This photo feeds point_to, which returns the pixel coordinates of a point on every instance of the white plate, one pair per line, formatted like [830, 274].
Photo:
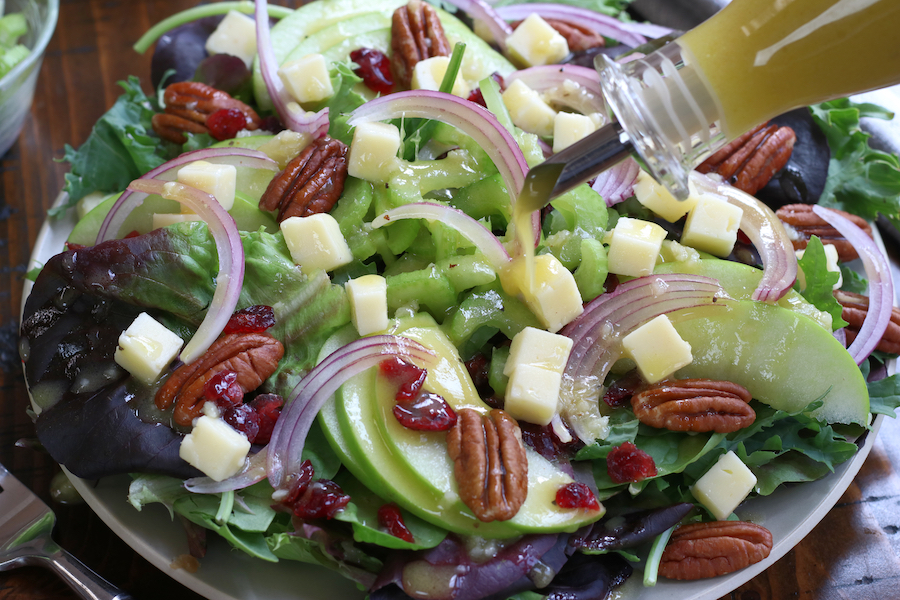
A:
[225, 574]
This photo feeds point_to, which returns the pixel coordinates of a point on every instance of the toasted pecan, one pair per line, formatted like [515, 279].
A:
[855, 307]
[253, 356]
[802, 223]
[702, 550]
[694, 405]
[490, 465]
[751, 160]
[416, 34]
[189, 104]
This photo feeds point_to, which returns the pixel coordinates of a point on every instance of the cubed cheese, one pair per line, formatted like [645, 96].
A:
[657, 198]
[235, 35]
[368, 303]
[535, 42]
[527, 109]
[89, 203]
[146, 348]
[214, 447]
[532, 394]
[307, 78]
[724, 486]
[634, 247]
[285, 146]
[831, 264]
[568, 128]
[429, 73]
[217, 180]
[316, 242]
[166, 219]
[554, 298]
[538, 348]
[373, 151]
[712, 225]
[657, 349]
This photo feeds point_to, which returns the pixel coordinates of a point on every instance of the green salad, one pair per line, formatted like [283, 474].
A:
[13, 26]
[296, 310]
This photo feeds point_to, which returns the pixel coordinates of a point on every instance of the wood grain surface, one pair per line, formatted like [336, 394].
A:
[854, 553]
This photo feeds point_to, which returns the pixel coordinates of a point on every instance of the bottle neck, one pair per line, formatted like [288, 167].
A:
[667, 110]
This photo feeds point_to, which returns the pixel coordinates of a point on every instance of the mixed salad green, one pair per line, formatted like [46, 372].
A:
[444, 269]
[13, 26]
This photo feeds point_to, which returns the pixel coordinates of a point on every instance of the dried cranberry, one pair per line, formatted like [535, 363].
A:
[479, 369]
[322, 499]
[375, 69]
[244, 419]
[271, 124]
[225, 123]
[252, 319]
[391, 519]
[628, 463]
[576, 495]
[223, 389]
[299, 482]
[268, 408]
[621, 391]
[425, 412]
[406, 376]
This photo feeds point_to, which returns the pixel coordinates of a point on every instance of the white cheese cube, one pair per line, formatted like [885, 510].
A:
[532, 394]
[831, 264]
[429, 73]
[634, 247]
[373, 151]
[535, 42]
[217, 180]
[307, 78]
[316, 242]
[657, 198]
[568, 128]
[235, 35]
[166, 219]
[528, 110]
[285, 146]
[554, 298]
[657, 349]
[712, 225]
[214, 447]
[368, 303]
[146, 348]
[538, 348]
[724, 486]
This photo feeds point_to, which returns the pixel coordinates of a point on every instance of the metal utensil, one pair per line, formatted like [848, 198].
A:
[26, 524]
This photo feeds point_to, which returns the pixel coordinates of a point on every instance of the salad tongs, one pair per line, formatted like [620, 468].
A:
[25, 527]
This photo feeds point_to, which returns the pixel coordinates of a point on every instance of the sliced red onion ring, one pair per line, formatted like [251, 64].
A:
[472, 119]
[550, 77]
[480, 10]
[254, 471]
[468, 227]
[230, 278]
[602, 24]
[315, 124]
[767, 234]
[129, 200]
[881, 288]
[616, 184]
[304, 402]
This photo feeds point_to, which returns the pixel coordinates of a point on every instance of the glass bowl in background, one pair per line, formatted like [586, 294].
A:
[17, 86]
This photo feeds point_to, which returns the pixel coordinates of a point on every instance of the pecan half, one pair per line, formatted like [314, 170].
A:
[855, 308]
[801, 223]
[188, 104]
[694, 405]
[750, 161]
[311, 183]
[416, 34]
[253, 356]
[490, 463]
[702, 550]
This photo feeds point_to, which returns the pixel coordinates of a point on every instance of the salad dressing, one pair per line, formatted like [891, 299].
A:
[535, 194]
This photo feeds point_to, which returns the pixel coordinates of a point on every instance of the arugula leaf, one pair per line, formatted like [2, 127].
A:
[853, 281]
[121, 147]
[884, 395]
[820, 281]
[343, 102]
[861, 180]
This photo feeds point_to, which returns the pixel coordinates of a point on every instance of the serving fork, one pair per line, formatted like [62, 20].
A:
[26, 525]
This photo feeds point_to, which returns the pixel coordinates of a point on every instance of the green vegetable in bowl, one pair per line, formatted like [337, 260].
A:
[12, 27]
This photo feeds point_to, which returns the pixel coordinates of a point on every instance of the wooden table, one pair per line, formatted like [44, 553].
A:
[854, 553]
